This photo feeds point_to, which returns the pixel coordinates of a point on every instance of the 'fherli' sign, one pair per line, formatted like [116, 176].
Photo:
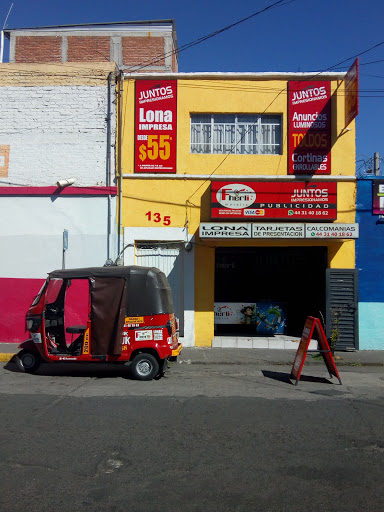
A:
[259, 200]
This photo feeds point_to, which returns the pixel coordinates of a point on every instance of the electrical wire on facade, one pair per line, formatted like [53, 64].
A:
[257, 88]
[285, 90]
[235, 145]
[370, 93]
[279, 92]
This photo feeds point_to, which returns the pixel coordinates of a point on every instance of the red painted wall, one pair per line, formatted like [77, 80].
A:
[16, 296]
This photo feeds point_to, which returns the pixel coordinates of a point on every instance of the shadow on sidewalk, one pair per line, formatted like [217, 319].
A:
[286, 377]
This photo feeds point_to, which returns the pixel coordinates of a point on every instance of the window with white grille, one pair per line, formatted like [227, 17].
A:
[242, 134]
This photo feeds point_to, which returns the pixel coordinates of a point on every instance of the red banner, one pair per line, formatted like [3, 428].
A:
[155, 126]
[352, 92]
[309, 127]
[274, 200]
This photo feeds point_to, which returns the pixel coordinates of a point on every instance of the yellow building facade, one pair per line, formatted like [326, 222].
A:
[234, 130]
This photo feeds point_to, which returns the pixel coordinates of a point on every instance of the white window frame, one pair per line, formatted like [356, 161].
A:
[235, 147]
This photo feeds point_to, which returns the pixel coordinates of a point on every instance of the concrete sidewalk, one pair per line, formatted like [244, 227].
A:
[196, 355]
[275, 357]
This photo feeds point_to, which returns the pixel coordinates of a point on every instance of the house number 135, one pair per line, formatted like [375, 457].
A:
[156, 217]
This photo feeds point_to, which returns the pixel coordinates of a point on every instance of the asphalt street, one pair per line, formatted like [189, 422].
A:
[206, 437]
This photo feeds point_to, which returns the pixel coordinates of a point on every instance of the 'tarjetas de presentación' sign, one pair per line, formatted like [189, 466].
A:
[278, 230]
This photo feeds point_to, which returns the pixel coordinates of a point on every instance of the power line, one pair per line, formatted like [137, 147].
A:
[372, 76]
[372, 62]
[257, 88]
[198, 41]
[355, 56]
[212, 34]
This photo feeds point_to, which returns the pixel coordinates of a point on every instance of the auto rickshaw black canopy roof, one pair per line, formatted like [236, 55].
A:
[126, 272]
[147, 288]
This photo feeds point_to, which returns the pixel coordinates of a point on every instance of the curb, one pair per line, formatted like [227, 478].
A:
[5, 358]
[279, 363]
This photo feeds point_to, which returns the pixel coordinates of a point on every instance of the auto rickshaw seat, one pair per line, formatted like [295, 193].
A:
[76, 329]
[76, 346]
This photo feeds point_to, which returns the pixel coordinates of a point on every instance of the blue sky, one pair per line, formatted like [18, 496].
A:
[298, 35]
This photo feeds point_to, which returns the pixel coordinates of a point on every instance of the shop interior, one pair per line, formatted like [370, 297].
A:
[266, 291]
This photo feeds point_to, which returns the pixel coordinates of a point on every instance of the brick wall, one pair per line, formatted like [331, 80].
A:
[130, 51]
[91, 49]
[38, 49]
[55, 132]
[138, 51]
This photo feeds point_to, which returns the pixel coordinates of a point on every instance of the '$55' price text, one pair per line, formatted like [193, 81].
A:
[158, 146]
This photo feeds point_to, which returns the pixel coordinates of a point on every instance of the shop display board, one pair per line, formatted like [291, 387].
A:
[266, 317]
[311, 324]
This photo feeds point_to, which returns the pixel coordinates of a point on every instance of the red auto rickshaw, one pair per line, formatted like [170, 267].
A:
[106, 314]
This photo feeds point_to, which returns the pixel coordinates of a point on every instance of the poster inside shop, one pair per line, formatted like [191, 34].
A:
[309, 127]
[266, 317]
[274, 200]
[155, 126]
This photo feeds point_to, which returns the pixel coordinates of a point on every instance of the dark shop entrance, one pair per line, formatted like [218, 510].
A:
[266, 291]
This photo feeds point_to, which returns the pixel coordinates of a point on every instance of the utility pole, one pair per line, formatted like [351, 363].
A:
[376, 164]
[2, 36]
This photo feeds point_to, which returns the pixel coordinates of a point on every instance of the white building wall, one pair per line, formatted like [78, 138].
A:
[31, 234]
[56, 132]
[53, 132]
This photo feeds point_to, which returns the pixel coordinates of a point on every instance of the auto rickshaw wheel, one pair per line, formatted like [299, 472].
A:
[144, 366]
[28, 362]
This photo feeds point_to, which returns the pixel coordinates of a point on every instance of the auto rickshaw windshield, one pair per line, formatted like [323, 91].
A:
[36, 300]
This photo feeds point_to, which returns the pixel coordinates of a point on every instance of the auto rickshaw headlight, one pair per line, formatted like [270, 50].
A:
[33, 323]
